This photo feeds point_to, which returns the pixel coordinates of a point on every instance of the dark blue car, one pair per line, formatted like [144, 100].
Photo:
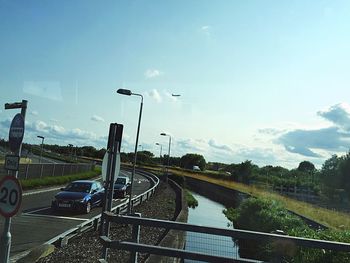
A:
[80, 196]
[122, 187]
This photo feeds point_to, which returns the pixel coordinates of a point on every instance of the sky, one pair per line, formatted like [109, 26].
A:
[266, 81]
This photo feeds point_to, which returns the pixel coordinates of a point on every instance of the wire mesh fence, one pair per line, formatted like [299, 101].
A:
[211, 244]
[29, 171]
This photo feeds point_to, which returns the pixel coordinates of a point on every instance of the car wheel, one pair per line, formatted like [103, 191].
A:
[88, 207]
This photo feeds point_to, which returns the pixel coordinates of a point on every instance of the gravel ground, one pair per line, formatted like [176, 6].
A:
[86, 247]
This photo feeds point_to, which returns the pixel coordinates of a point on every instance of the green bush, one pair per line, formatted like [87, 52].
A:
[265, 215]
[191, 201]
[179, 179]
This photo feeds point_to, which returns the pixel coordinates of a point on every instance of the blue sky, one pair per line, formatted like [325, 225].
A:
[266, 81]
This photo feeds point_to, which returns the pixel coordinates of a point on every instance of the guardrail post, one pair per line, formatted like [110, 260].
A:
[53, 169]
[135, 236]
[27, 170]
[41, 170]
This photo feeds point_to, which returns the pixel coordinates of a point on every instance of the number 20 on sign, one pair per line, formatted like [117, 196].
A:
[10, 196]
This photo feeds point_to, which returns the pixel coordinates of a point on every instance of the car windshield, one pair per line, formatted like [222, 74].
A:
[78, 187]
[121, 180]
[243, 104]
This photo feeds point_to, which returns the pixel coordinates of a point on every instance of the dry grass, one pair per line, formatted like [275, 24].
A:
[21, 161]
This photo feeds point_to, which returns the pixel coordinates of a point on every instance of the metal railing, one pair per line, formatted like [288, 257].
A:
[29, 171]
[236, 234]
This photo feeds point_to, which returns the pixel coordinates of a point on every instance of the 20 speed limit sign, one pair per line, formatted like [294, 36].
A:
[10, 196]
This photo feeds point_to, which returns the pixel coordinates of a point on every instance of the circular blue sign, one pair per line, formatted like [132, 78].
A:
[16, 132]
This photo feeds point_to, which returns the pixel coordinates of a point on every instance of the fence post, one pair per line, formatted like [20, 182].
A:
[135, 236]
[63, 170]
[27, 169]
[41, 170]
[53, 169]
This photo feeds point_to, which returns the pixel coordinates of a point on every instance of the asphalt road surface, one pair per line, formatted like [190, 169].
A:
[37, 223]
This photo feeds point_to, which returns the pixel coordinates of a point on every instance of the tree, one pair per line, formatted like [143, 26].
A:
[192, 159]
[306, 166]
[331, 178]
[245, 171]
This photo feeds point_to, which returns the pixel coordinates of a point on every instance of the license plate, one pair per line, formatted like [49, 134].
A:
[63, 205]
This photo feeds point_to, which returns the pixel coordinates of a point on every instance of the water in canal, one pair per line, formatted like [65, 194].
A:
[209, 213]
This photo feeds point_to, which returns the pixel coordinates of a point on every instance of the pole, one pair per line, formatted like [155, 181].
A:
[168, 158]
[5, 245]
[41, 152]
[160, 154]
[135, 156]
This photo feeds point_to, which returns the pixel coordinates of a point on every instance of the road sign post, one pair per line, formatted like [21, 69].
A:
[12, 162]
[15, 140]
[10, 196]
[110, 169]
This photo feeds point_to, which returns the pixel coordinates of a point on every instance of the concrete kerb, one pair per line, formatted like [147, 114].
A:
[37, 253]
[63, 238]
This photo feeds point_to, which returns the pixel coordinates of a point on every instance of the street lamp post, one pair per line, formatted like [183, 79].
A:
[129, 93]
[160, 153]
[167, 170]
[161, 147]
[42, 145]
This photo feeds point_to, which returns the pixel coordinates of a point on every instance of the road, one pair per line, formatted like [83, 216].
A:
[37, 223]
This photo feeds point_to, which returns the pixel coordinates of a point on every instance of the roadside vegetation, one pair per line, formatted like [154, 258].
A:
[58, 180]
[190, 199]
[330, 218]
[272, 216]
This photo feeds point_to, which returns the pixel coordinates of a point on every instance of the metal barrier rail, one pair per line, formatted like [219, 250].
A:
[233, 233]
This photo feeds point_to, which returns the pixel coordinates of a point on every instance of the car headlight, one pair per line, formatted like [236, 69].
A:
[80, 200]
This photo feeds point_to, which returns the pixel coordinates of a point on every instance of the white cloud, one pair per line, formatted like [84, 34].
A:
[221, 147]
[56, 134]
[97, 118]
[152, 73]
[34, 113]
[206, 29]
[53, 120]
[154, 94]
[338, 114]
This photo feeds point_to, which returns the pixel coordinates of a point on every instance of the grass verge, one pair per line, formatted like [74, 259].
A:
[58, 180]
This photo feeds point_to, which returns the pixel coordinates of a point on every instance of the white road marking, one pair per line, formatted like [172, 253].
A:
[41, 191]
[31, 212]
[59, 217]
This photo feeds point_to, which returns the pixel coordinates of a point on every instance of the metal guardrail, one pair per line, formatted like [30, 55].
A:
[63, 238]
[233, 233]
